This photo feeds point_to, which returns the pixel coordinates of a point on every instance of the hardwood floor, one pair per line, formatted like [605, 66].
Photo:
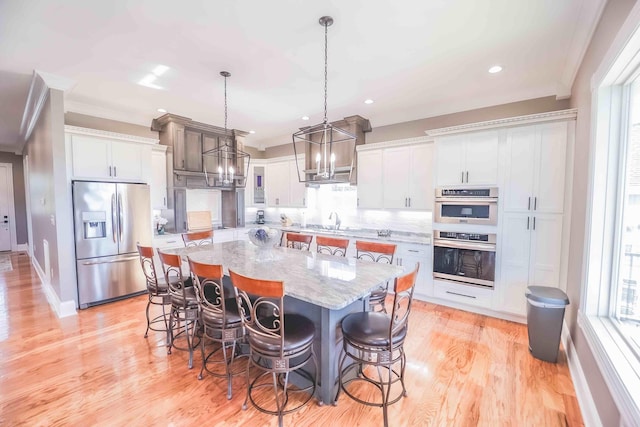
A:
[97, 369]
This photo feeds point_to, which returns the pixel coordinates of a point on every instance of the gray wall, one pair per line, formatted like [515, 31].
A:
[81, 120]
[19, 202]
[51, 213]
[417, 128]
[614, 14]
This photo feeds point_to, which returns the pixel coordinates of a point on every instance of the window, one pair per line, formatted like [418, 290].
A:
[609, 313]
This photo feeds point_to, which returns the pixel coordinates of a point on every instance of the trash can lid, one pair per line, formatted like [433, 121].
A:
[547, 295]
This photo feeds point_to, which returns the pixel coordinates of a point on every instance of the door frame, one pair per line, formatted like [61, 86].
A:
[12, 208]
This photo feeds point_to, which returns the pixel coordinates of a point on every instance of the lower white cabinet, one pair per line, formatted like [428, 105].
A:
[531, 255]
[407, 256]
[463, 294]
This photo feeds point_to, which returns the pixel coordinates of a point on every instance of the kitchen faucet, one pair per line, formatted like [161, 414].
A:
[336, 224]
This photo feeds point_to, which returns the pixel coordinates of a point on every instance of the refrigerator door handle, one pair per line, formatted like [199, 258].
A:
[120, 215]
[113, 217]
[131, 258]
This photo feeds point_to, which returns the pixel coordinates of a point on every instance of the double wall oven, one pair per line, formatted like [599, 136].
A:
[464, 243]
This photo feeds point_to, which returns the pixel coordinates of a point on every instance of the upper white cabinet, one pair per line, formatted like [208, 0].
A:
[370, 179]
[535, 168]
[468, 158]
[159, 177]
[408, 177]
[107, 156]
[396, 176]
[282, 185]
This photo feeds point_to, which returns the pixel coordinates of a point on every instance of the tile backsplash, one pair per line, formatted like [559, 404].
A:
[343, 199]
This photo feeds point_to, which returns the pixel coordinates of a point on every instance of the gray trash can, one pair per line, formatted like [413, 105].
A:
[545, 311]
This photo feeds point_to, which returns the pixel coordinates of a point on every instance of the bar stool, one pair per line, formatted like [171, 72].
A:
[184, 304]
[157, 291]
[298, 241]
[377, 252]
[198, 238]
[279, 344]
[332, 245]
[377, 339]
[220, 318]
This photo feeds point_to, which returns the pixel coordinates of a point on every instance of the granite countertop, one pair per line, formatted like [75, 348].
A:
[323, 280]
[362, 233]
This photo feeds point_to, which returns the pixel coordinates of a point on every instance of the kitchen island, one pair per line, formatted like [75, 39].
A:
[324, 288]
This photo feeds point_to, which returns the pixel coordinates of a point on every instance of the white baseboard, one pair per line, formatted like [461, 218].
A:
[61, 308]
[585, 399]
[22, 247]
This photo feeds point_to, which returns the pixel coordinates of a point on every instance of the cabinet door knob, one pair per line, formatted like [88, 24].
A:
[462, 177]
[467, 177]
[115, 171]
[529, 204]
[109, 170]
[528, 219]
[535, 203]
[534, 223]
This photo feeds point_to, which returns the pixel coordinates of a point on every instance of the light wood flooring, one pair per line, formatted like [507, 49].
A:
[97, 369]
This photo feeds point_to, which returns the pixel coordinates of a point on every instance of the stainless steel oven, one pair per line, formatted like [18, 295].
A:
[465, 258]
[466, 206]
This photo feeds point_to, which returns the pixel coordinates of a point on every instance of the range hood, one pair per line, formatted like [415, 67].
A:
[345, 153]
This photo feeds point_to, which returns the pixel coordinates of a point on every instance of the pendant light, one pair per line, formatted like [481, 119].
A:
[229, 162]
[328, 150]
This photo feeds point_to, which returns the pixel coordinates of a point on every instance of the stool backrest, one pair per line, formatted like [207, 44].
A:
[210, 290]
[148, 268]
[172, 268]
[332, 245]
[265, 319]
[375, 251]
[198, 238]
[299, 241]
[402, 300]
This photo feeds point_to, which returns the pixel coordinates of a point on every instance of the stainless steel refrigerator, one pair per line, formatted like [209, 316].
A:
[109, 219]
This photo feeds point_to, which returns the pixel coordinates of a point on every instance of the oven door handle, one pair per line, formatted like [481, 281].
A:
[465, 245]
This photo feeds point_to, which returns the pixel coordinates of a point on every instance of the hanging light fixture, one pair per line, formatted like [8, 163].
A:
[229, 161]
[324, 161]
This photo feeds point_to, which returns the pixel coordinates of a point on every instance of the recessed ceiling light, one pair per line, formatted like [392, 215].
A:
[252, 131]
[160, 70]
[368, 101]
[162, 110]
[305, 117]
[495, 69]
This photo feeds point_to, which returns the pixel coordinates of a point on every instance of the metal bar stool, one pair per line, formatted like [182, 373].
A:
[376, 340]
[332, 245]
[220, 318]
[377, 252]
[279, 343]
[198, 238]
[298, 241]
[157, 291]
[184, 304]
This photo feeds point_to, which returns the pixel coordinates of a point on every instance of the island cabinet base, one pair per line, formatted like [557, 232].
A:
[328, 341]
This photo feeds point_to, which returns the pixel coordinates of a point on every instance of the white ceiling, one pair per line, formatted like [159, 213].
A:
[415, 58]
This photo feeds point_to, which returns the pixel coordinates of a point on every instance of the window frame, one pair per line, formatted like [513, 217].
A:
[610, 90]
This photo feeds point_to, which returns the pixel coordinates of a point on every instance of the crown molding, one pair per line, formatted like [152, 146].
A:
[550, 116]
[56, 82]
[76, 130]
[394, 143]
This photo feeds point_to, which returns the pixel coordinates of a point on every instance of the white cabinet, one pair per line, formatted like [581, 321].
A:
[535, 168]
[399, 177]
[407, 255]
[282, 185]
[252, 189]
[408, 177]
[370, 179]
[102, 158]
[159, 177]
[470, 158]
[531, 255]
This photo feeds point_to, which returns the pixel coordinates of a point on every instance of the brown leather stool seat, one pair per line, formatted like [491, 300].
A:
[370, 329]
[298, 333]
